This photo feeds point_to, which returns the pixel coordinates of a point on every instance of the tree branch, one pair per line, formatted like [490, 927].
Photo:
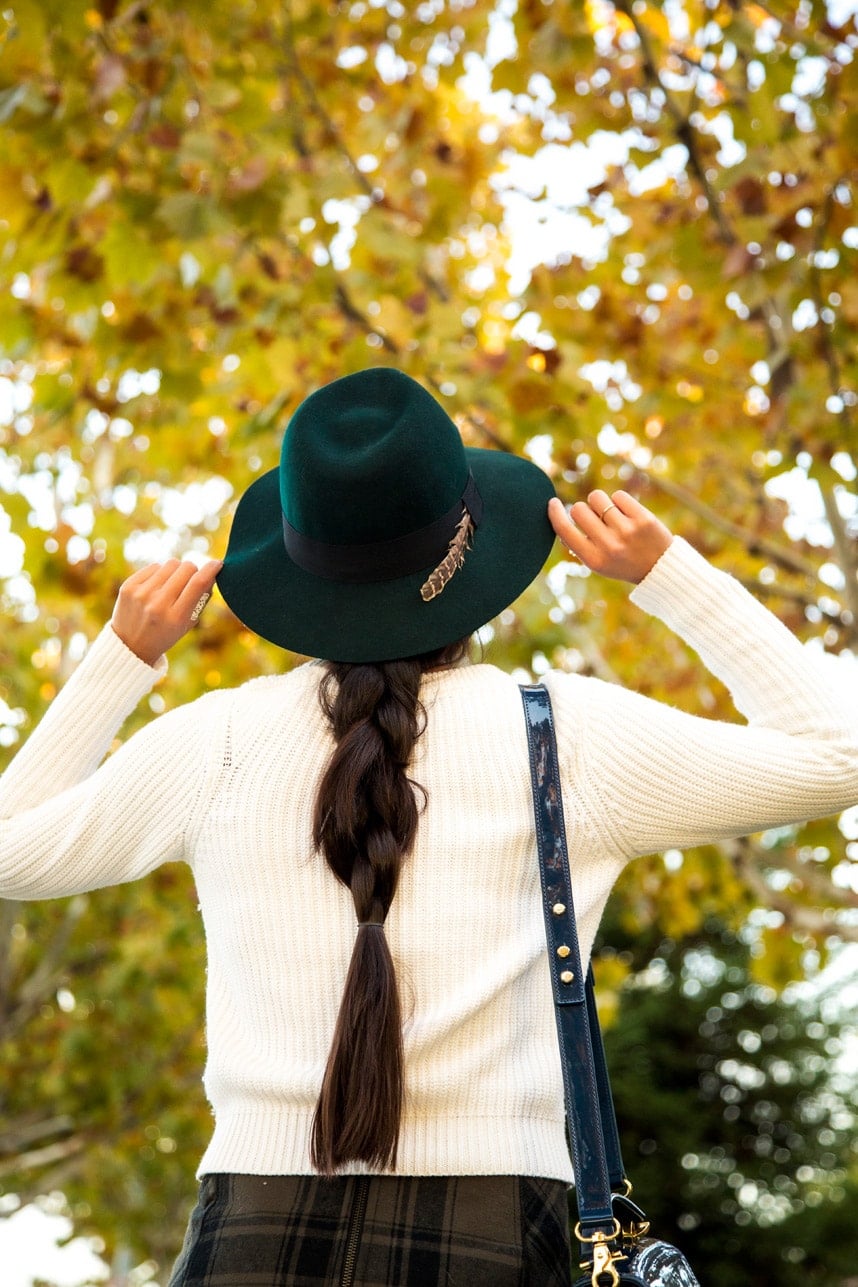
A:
[350, 310]
[829, 353]
[682, 126]
[775, 590]
[818, 922]
[697, 64]
[472, 417]
[9, 913]
[475, 419]
[595, 660]
[846, 549]
[40, 1157]
[689, 138]
[373, 190]
[752, 541]
[20, 1135]
[799, 35]
[319, 111]
[47, 975]
[813, 878]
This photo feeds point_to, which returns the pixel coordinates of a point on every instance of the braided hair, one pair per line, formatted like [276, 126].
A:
[365, 822]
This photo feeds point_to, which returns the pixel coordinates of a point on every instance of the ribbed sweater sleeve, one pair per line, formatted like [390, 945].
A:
[68, 828]
[659, 778]
[76, 731]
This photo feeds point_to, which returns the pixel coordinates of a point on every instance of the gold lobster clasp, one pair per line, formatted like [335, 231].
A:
[603, 1264]
[604, 1268]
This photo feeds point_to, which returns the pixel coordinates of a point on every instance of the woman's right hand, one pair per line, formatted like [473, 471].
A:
[614, 535]
[160, 603]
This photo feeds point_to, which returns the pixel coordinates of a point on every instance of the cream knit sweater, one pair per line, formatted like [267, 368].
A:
[226, 784]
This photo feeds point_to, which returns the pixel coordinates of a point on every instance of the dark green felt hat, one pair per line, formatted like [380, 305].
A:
[354, 550]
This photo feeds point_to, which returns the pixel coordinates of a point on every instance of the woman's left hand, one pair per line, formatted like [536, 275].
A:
[160, 603]
[614, 535]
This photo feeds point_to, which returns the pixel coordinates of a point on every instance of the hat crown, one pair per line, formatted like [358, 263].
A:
[370, 457]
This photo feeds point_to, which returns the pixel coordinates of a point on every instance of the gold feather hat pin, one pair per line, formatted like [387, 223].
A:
[452, 560]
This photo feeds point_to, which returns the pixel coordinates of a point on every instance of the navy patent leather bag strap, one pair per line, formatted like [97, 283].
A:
[590, 1115]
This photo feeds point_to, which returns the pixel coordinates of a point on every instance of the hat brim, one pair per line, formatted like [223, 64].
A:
[385, 620]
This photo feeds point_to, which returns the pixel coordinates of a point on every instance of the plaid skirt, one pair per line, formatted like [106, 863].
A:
[375, 1231]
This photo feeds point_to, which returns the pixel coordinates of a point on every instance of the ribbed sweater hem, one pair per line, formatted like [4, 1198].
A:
[254, 1140]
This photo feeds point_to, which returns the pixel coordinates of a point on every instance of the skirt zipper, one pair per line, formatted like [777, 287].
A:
[356, 1219]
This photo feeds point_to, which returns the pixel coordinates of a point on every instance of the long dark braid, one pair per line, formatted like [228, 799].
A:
[365, 822]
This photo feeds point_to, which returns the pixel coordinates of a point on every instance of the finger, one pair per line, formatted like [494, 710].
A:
[588, 521]
[142, 575]
[607, 507]
[566, 531]
[163, 571]
[197, 591]
[630, 505]
[558, 516]
[580, 546]
[150, 581]
[598, 501]
[161, 593]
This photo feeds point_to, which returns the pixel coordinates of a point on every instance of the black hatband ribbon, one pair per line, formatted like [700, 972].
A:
[382, 560]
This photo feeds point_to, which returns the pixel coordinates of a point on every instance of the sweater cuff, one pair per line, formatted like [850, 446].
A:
[675, 587]
[112, 665]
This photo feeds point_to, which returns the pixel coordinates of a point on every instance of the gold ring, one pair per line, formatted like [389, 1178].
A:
[608, 507]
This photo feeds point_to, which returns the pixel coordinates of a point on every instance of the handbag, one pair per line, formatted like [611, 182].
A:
[611, 1229]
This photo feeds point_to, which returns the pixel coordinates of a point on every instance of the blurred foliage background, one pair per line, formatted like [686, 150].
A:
[620, 237]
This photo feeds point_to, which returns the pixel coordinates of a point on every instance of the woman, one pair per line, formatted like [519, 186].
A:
[382, 1059]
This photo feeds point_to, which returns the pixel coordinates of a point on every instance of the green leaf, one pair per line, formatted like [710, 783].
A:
[190, 217]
